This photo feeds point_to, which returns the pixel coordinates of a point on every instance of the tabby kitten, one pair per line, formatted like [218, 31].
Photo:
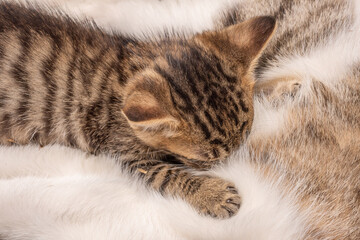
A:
[163, 107]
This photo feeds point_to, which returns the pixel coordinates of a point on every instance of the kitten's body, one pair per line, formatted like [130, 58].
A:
[163, 107]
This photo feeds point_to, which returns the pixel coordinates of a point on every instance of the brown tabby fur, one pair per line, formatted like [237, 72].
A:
[162, 107]
[314, 155]
[317, 156]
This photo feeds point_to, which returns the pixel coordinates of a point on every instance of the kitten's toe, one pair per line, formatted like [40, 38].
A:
[232, 189]
[217, 198]
[230, 204]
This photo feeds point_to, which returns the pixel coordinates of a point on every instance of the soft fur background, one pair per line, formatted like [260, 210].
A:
[60, 193]
[145, 17]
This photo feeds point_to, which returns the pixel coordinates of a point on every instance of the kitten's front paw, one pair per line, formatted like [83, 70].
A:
[217, 198]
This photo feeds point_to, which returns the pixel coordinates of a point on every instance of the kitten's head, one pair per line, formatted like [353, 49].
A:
[195, 99]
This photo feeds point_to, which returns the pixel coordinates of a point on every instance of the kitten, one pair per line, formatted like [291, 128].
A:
[163, 107]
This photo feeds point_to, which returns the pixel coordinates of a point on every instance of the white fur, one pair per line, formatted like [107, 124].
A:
[267, 119]
[92, 199]
[327, 63]
[61, 193]
[146, 17]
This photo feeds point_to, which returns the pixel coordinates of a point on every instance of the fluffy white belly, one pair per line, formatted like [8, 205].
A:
[61, 193]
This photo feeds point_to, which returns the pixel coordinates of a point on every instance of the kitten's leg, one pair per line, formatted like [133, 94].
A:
[209, 195]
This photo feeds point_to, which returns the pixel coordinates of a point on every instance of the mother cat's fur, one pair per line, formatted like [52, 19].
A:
[315, 146]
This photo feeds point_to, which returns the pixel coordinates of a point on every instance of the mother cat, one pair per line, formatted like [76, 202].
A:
[163, 107]
[309, 76]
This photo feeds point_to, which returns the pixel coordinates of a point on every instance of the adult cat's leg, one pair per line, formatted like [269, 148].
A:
[209, 195]
[276, 89]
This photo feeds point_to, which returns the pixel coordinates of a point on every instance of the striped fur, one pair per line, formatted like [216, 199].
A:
[315, 155]
[162, 107]
[314, 152]
[302, 26]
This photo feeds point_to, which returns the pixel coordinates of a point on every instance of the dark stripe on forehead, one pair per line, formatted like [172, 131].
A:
[209, 118]
[226, 147]
[203, 126]
[236, 108]
[220, 122]
[178, 90]
[233, 104]
[215, 153]
[216, 141]
[189, 71]
[216, 126]
[211, 66]
[234, 117]
[244, 124]
[241, 102]
[222, 73]
[211, 101]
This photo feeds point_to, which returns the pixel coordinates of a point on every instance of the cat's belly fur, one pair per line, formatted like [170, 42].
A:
[91, 193]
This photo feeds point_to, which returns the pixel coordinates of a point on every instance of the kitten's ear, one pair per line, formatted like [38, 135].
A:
[142, 107]
[240, 44]
[147, 104]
